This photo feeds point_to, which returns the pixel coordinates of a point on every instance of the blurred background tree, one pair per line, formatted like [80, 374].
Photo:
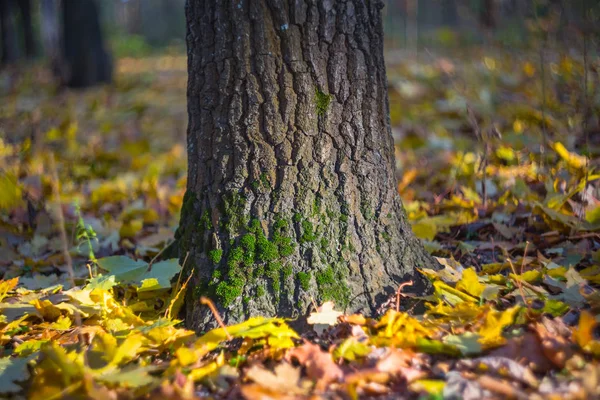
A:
[135, 28]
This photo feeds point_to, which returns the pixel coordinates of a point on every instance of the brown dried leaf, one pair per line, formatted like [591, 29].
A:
[526, 350]
[319, 364]
[501, 366]
[555, 347]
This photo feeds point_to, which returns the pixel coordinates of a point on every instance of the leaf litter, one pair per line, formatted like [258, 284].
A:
[511, 212]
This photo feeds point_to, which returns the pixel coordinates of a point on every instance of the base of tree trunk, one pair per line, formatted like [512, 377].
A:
[291, 197]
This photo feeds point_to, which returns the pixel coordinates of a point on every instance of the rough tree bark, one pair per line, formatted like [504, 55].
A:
[85, 60]
[291, 190]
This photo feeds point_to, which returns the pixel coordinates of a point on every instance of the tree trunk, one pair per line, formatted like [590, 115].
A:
[487, 14]
[25, 8]
[50, 33]
[86, 61]
[449, 13]
[291, 194]
[8, 32]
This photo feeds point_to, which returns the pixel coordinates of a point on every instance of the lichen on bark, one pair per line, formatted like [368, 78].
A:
[291, 186]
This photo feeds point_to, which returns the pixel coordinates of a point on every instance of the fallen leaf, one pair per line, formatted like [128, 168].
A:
[319, 364]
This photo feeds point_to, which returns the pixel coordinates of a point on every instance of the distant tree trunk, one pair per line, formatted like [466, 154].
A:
[8, 32]
[291, 191]
[50, 33]
[449, 13]
[86, 61]
[134, 17]
[487, 14]
[25, 8]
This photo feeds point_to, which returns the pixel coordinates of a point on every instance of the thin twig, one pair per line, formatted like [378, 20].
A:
[159, 254]
[208, 302]
[399, 293]
[519, 285]
[63, 239]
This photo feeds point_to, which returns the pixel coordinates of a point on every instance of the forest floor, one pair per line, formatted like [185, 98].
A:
[498, 167]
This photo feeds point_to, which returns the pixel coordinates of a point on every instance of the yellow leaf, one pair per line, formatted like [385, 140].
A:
[432, 386]
[48, 310]
[450, 294]
[131, 228]
[532, 276]
[584, 332]
[593, 216]
[186, 356]
[199, 373]
[402, 328]
[495, 322]
[470, 283]
[351, 349]
[7, 286]
[574, 160]
[283, 342]
[105, 344]
[529, 69]
[177, 300]
[11, 191]
[425, 229]
[61, 324]
[129, 349]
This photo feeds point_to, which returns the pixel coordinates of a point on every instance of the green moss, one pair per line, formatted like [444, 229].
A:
[286, 247]
[248, 242]
[217, 274]
[260, 291]
[259, 271]
[265, 250]
[275, 195]
[287, 271]
[280, 225]
[297, 217]
[264, 180]
[205, 223]
[386, 236]
[322, 102]
[230, 290]
[324, 244]
[253, 256]
[366, 210]
[316, 205]
[276, 288]
[246, 299]
[233, 205]
[304, 279]
[236, 255]
[255, 226]
[308, 233]
[215, 255]
[273, 270]
[249, 259]
[332, 286]
[344, 218]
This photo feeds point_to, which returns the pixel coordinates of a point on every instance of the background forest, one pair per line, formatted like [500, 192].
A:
[495, 114]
